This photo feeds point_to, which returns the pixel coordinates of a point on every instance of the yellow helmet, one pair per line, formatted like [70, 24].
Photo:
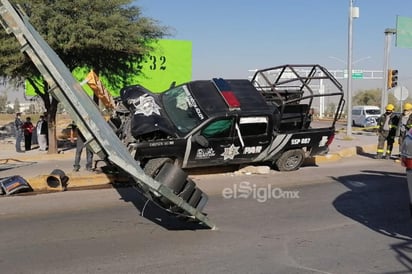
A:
[390, 107]
[407, 106]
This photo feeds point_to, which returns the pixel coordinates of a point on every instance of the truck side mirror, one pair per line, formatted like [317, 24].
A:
[201, 140]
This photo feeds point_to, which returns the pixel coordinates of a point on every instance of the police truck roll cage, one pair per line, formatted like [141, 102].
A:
[291, 85]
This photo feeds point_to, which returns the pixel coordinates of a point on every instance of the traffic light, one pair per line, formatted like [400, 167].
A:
[392, 78]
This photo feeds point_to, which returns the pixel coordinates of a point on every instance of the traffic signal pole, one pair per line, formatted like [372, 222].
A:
[353, 13]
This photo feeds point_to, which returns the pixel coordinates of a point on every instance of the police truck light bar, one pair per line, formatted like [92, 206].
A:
[228, 95]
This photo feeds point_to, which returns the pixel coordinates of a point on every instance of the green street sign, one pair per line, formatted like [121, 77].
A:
[357, 75]
[403, 32]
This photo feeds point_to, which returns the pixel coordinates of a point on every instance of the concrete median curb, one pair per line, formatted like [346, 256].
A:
[78, 181]
[345, 153]
[75, 181]
[98, 179]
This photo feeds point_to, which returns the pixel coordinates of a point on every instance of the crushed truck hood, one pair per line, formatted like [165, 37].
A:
[147, 110]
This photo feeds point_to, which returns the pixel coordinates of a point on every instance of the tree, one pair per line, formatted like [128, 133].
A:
[16, 105]
[3, 103]
[368, 97]
[372, 97]
[106, 36]
[32, 108]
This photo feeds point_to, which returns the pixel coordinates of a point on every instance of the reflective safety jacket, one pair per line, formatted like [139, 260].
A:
[404, 127]
[393, 122]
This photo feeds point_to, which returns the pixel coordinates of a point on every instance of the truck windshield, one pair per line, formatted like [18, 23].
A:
[182, 109]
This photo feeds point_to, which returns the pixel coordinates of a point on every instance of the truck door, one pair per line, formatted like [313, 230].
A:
[252, 136]
[212, 145]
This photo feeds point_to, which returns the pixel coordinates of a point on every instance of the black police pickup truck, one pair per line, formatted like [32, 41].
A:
[266, 119]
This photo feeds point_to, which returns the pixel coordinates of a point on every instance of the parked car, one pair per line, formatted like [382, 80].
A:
[365, 116]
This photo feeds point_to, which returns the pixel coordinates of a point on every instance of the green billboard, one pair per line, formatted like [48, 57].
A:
[170, 61]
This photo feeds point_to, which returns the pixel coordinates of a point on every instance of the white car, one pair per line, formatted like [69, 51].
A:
[365, 116]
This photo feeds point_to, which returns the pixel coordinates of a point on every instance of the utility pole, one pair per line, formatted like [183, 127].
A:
[388, 37]
[353, 13]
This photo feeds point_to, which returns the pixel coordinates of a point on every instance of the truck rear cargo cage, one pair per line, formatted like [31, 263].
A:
[312, 85]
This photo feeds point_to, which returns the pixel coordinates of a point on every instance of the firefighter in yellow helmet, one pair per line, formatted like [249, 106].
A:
[387, 125]
[405, 122]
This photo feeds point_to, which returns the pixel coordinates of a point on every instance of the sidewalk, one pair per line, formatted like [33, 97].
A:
[343, 146]
[36, 166]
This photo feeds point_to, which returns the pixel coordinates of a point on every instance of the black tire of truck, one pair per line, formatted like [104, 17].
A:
[290, 160]
[153, 166]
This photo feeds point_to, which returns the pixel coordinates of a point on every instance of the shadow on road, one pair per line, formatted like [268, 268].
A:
[380, 201]
[155, 213]
[361, 152]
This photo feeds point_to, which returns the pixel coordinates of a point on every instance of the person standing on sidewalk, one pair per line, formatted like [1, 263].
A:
[42, 133]
[18, 126]
[79, 148]
[28, 133]
[387, 125]
[405, 123]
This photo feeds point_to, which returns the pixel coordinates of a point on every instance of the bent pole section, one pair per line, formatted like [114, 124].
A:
[100, 137]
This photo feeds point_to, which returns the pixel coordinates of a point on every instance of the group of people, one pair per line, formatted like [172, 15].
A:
[24, 130]
[390, 126]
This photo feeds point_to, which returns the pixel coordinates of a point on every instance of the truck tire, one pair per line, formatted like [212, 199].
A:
[290, 160]
[153, 166]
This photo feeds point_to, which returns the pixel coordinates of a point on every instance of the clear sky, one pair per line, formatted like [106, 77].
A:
[231, 37]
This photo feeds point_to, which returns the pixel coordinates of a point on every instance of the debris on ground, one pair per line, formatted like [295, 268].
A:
[14, 184]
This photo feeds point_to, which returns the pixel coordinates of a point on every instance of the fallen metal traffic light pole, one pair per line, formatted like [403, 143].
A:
[100, 137]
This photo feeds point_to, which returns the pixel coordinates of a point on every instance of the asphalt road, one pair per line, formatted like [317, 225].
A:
[345, 217]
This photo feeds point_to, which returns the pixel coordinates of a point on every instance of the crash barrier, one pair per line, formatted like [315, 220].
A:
[57, 179]
[14, 184]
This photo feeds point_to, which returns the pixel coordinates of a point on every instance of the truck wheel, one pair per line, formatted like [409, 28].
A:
[290, 160]
[153, 166]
